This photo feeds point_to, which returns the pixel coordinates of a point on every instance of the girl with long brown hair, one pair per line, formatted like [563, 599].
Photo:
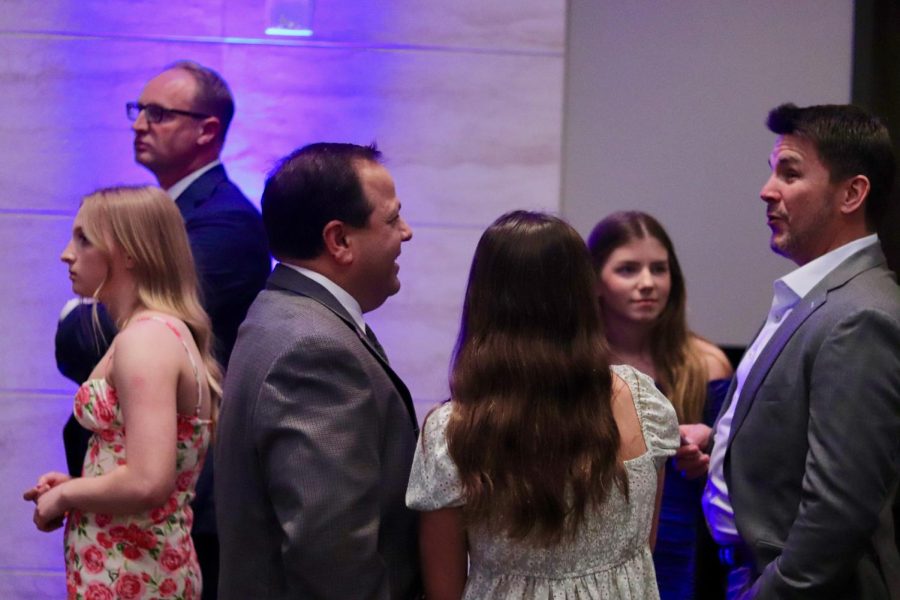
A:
[543, 470]
[642, 299]
[150, 402]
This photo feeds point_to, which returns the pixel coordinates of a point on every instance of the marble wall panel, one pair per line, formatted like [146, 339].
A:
[145, 18]
[418, 326]
[528, 26]
[467, 136]
[465, 100]
[31, 445]
[33, 585]
[30, 305]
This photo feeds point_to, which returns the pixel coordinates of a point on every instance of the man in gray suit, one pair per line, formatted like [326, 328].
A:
[317, 433]
[804, 469]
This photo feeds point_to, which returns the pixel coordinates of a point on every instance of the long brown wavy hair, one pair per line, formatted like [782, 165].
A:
[680, 371]
[146, 225]
[532, 431]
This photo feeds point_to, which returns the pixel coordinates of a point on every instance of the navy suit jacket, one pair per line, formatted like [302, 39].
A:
[813, 458]
[229, 245]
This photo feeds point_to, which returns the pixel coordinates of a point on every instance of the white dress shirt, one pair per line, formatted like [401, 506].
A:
[787, 292]
[185, 182]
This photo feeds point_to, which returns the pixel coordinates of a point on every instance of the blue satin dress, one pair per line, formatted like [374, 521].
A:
[680, 549]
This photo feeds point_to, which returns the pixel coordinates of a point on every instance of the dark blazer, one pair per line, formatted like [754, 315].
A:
[231, 253]
[813, 460]
[315, 443]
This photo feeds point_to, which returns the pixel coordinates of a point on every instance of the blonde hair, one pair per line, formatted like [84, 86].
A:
[145, 223]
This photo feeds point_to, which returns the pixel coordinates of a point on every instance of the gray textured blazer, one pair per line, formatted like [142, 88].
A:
[314, 446]
[814, 455]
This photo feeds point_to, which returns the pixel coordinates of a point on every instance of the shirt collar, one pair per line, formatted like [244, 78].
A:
[185, 182]
[803, 279]
[346, 300]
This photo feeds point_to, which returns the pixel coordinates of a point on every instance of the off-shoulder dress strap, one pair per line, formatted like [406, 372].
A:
[194, 366]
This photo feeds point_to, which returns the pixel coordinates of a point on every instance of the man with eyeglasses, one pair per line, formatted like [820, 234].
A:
[179, 123]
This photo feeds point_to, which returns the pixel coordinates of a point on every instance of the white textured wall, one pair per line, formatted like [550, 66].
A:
[665, 112]
[464, 98]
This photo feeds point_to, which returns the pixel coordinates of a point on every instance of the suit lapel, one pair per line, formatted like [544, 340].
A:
[200, 190]
[863, 260]
[288, 279]
[770, 353]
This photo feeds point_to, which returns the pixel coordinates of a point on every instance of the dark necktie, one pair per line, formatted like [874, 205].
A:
[374, 340]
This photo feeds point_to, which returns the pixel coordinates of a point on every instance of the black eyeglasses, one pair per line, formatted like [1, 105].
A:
[156, 113]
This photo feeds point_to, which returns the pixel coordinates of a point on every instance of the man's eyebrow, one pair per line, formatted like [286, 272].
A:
[788, 160]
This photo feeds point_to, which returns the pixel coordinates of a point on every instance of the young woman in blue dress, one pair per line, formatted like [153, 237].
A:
[642, 298]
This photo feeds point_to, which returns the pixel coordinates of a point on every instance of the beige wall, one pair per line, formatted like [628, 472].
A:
[464, 98]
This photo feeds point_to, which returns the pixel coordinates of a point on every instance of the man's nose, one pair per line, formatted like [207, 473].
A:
[768, 192]
[407, 230]
[140, 124]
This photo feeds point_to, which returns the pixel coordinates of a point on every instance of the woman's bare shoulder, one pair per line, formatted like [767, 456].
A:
[717, 364]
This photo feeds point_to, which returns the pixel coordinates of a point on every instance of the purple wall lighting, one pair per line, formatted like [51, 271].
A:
[464, 98]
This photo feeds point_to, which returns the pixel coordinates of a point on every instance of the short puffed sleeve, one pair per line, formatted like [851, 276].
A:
[434, 481]
[659, 424]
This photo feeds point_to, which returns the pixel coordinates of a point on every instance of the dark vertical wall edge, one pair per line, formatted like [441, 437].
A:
[876, 86]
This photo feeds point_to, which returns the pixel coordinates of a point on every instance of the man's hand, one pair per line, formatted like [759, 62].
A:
[691, 459]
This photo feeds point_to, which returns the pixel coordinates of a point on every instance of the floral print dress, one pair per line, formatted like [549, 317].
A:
[145, 555]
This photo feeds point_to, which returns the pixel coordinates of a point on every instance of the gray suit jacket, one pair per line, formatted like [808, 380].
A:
[813, 460]
[315, 442]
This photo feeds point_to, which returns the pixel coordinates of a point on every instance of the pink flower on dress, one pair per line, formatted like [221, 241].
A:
[102, 519]
[94, 559]
[188, 590]
[184, 480]
[185, 430]
[81, 398]
[132, 552]
[129, 586]
[104, 540]
[98, 591]
[107, 435]
[161, 513]
[104, 412]
[167, 588]
[171, 559]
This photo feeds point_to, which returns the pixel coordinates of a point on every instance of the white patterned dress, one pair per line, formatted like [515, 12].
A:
[608, 558]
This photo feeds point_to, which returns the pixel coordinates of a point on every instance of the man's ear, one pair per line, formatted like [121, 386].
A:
[334, 234]
[856, 190]
[209, 130]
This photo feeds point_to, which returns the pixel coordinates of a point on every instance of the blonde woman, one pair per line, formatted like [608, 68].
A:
[128, 517]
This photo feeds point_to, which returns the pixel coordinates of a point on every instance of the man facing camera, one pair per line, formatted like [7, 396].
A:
[804, 470]
[179, 124]
[317, 433]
